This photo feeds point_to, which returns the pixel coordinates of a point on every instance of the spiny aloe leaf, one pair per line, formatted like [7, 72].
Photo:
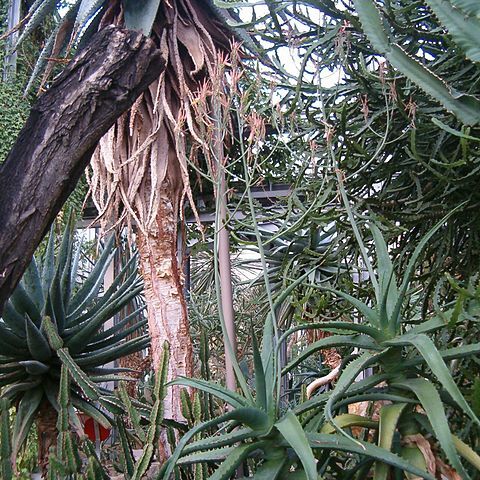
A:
[387, 282]
[433, 406]
[26, 412]
[33, 285]
[260, 386]
[48, 268]
[125, 280]
[232, 398]
[234, 459]
[8, 378]
[64, 256]
[292, 431]
[217, 455]
[364, 449]
[13, 319]
[24, 305]
[34, 367]
[464, 351]
[221, 440]
[77, 341]
[113, 353]
[45, 8]
[120, 325]
[10, 343]
[55, 306]
[12, 390]
[389, 416]
[467, 452]
[429, 352]
[347, 420]
[91, 286]
[86, 11]
[140, 17]
[37, 343]
[117, 338]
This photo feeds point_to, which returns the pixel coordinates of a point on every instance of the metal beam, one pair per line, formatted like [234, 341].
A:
[10, 61]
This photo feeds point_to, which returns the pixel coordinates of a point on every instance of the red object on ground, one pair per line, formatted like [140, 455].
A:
[89, 428]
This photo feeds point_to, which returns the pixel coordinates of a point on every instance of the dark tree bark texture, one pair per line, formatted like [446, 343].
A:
[56, 143]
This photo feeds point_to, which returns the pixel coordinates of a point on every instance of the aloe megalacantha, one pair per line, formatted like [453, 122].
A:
[410, 375]
[53, 319]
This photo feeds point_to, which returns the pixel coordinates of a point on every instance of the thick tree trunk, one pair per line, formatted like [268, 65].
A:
[167, 311]
[56, 144]
[47, 433]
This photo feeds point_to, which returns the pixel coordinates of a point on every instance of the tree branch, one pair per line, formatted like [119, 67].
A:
[56, 143]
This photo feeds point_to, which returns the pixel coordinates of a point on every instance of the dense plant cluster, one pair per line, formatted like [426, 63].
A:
[356, 297]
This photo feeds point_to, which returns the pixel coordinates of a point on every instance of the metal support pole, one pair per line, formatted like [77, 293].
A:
[10, 61]
[226, 284]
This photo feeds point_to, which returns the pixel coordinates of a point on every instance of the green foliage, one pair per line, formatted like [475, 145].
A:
[14, 110]
[52, 323]
[411, 375]
[464, 29]
[404, 357]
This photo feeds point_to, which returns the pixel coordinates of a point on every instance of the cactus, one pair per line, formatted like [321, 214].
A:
[149, 437]
[54, 344]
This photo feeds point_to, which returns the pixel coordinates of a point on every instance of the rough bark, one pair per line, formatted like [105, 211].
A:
[47, 433]
[56, 144]
[167, 311]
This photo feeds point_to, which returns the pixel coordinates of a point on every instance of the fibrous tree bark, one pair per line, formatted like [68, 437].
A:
[60, 135]
[167, 309]
[140, 172]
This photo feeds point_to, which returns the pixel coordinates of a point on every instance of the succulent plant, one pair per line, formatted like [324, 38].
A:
[53, 319]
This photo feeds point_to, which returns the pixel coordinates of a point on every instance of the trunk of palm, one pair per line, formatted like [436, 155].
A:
[167, 312]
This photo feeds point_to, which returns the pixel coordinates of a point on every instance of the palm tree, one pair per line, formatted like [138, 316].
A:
[140, 168]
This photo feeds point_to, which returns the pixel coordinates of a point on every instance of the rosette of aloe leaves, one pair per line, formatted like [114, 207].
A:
[411, 387]
[55, 318]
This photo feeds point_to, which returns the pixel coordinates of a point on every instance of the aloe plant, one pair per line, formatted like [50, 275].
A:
[410, 373]
[410, 376]
[53, 321]
[280, 443]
